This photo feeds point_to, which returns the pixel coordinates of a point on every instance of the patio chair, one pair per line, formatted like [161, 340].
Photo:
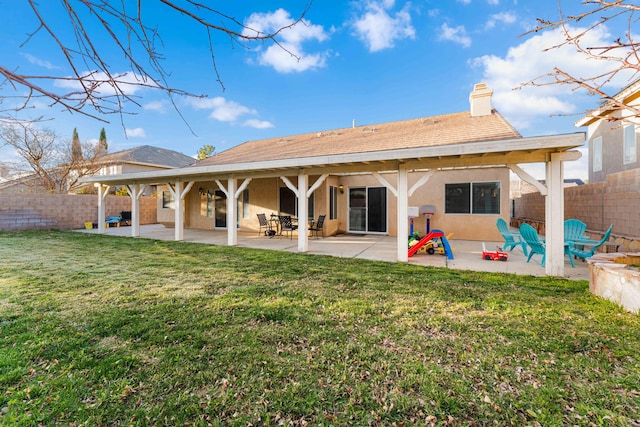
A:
[264, 223]
[511, 239]
[126, 217]
[585, 248]
[318, 226]
[537, 246]
[574, 229]
[286, 225]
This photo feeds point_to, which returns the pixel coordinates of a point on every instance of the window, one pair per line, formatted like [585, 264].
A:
[457, 198]
[289, 203]
[245, 203]
[209, 204]
[630, 145]
[596, 152]
[475, 198]
[168, 202]
[333, 202]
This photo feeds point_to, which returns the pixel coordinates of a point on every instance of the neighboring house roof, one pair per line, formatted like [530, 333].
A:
[432, 131]
[146, 154]
[627, 95]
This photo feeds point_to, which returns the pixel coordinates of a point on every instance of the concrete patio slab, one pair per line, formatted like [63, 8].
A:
[467, 254]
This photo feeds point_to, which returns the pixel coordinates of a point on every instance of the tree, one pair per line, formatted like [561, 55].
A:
[623, 52]
[103, 147]
[76, 148]
[131, 31]
[205, 151]
[56, 168]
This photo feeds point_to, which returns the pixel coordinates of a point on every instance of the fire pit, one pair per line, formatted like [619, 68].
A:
[616, 277]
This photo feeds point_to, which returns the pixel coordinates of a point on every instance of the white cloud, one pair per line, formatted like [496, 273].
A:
[528, 61]
[159, 106]
[502, 17]
[39, 62]
[135, 133]
[493, 2]
[464, 1]
[289, 55]
[257, 124]
[224, 110]
[379, 30]
[455, 34]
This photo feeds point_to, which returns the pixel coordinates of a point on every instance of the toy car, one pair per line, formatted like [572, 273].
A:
[494, 255]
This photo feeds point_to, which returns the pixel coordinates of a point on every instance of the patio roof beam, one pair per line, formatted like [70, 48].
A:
[488, 160]
[243, 187]
[422, 181]
[528, 178]
[290, 186]
[317, 184]
[552, 143]
[386, 183]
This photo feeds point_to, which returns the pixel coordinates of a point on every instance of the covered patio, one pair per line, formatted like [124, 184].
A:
[403, 159]
[467, 253]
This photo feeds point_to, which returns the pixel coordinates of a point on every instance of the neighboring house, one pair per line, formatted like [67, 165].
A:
[141, 159]
[613, 135]
[137, 159]
[366, 179]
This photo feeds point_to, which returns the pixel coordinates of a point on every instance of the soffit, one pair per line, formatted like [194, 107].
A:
[484, 153]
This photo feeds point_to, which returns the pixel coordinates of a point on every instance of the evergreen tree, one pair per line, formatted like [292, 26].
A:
[76, 147]
[102, 144]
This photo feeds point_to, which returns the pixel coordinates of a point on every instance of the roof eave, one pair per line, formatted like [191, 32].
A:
[550, 143]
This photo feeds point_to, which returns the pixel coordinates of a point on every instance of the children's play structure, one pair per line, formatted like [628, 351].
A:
[429, 243]
[430, 239]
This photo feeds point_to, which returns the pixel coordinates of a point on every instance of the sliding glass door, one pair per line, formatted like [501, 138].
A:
[368, 209]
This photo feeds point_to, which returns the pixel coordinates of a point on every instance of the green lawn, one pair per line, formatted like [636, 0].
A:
[98, 330]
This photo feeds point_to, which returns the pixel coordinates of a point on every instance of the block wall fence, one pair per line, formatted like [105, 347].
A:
[615, 201]
[65, 211]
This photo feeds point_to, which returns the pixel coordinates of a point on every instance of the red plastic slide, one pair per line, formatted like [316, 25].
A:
[426, 239]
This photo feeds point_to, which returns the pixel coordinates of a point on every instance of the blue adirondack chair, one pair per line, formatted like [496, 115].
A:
[585, 248]
[537, 246]
[574, 229]
[511, 239]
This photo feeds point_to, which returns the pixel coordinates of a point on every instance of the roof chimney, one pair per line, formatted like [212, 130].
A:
[480, 100]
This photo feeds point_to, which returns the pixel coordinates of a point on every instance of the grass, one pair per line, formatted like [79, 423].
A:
[98, 330]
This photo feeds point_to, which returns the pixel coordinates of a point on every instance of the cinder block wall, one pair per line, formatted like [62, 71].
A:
[615, 201]
[64, 211]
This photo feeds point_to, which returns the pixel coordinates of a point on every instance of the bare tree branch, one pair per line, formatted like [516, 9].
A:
[100, 90]
[622, 53]
[57, 165]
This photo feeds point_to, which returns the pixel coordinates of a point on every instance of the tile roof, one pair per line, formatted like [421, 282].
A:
[150, 155]
[446, 129]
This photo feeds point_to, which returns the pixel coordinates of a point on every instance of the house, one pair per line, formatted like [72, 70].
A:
[136, 159]
[613, 134]
[140, 159]
[366, 179]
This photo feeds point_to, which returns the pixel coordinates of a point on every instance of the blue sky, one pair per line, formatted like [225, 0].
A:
[364, 61]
